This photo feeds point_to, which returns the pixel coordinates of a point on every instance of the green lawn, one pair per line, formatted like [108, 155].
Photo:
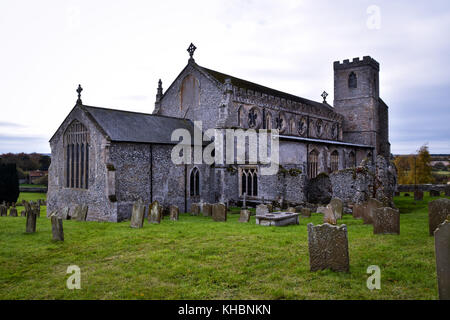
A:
[196, 258]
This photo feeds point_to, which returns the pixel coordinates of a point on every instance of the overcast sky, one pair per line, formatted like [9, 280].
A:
[118, 50]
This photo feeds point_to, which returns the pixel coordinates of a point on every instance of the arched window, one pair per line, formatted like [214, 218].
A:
[334, 161]
[313, 164]
[249, 182]
[76, 146]
[352, 81]
[369, 157]
[268, 121]
[351, 160]
[195, 182]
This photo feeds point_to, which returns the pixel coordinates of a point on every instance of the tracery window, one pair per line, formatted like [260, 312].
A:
[195, 182]
[334, 161]
[249, 182]
[313, 164]
[351, 160]
[76, 145]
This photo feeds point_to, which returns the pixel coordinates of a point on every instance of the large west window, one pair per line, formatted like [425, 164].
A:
[249, 182]
[76, 145]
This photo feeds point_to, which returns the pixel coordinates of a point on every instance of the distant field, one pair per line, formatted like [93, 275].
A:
[442, 173]
[196, 258]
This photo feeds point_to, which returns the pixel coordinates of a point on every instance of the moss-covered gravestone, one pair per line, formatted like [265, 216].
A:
[57, 228]
[219, 212]
[155, 212]
[244, 216]
[438, 210]
[174, 213]
[13, 211]
[31, 221]
[138, 214]
[386, 221]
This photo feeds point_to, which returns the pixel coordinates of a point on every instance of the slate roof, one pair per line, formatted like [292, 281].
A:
[219, 76]
[128, 126]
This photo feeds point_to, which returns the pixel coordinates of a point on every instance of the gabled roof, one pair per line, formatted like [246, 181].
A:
[127, 126]
[221, 77]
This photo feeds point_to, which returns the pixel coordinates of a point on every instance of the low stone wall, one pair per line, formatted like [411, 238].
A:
[33, 189]
[420, 187]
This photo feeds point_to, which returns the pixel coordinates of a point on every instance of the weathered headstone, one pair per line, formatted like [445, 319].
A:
[306, 212]
[269, 207]
[386, 221]
[137, 214]
[418, 195]
[219, 212]
[369, 213]
[438, 210]
[358, 210]
[83, 213]
[23, 213]
[155, 212]
[57, 228]
[244, 216]
[261, 209]
[195, 209]
[207, 210]
[13, 211]
[174, 213]
[31, 221]
[442, 248]
[328, 247]
[65, 213]
[76, 212]
[435, 193]
[3, 211]
[338, 207]
[328, 215]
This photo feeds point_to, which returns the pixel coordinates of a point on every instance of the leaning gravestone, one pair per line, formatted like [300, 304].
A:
[83, 213]
[442, 248]
[328, 215]
[438, 210]
[338, 207]
[31, 221]
[155, 212]
[207, 210]
[435, 193]
[245, 215]
[306, 212]
[57, 228]
[418, 195]
[195, 209]
[386, 221]
[261, 209]
[358, 210]
[328, 247]
[369, 213]
[174, 213]
[13, 211]
[219, 212]
[137, 214]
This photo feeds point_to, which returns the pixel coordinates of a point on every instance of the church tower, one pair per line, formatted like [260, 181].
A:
[356, 97]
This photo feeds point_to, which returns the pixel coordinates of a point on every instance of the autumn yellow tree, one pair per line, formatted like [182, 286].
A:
[420, 167]
[402, 165]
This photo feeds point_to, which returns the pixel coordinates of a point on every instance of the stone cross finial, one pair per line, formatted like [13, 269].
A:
[191, 50]
[324, 95]
[79, 94]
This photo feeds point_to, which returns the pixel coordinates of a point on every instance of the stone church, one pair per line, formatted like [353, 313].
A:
[107, 159]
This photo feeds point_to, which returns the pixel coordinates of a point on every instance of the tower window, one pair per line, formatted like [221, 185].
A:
[76, 142]
[352, 81]
[195, 182]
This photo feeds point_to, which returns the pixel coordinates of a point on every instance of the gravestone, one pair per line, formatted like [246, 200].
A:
[438, 210]
[277, 219]
[369, 213]
[23, 213]
[306, 212]
[442, 248]
[155, 212]
[328, 247]
[447, 191]
[244, 216]
[137, 214]
[175, 212]
[76, 212]
[57, 228]
[269, 207]
[3, 211]
[418, 195]
[386, 221]
[207, 210]
[328, 215]
[321, 210]
[435, 193]
[13, 211]
[338, 207]
[261, 209]
[83, 213]
[219, 212]
[358, 210]
[31, 221]
[65, 213]
[195, 209]
[291, 209]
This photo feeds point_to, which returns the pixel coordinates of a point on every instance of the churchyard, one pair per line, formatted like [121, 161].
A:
[198, 258]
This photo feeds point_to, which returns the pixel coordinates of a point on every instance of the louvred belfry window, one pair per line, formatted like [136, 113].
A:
[76, 146]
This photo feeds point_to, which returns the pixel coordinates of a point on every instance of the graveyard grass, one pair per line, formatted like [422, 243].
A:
[196, 258]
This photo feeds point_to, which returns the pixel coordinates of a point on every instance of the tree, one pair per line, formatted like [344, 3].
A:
[402, 165]
[420, 167]
[9, 183]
